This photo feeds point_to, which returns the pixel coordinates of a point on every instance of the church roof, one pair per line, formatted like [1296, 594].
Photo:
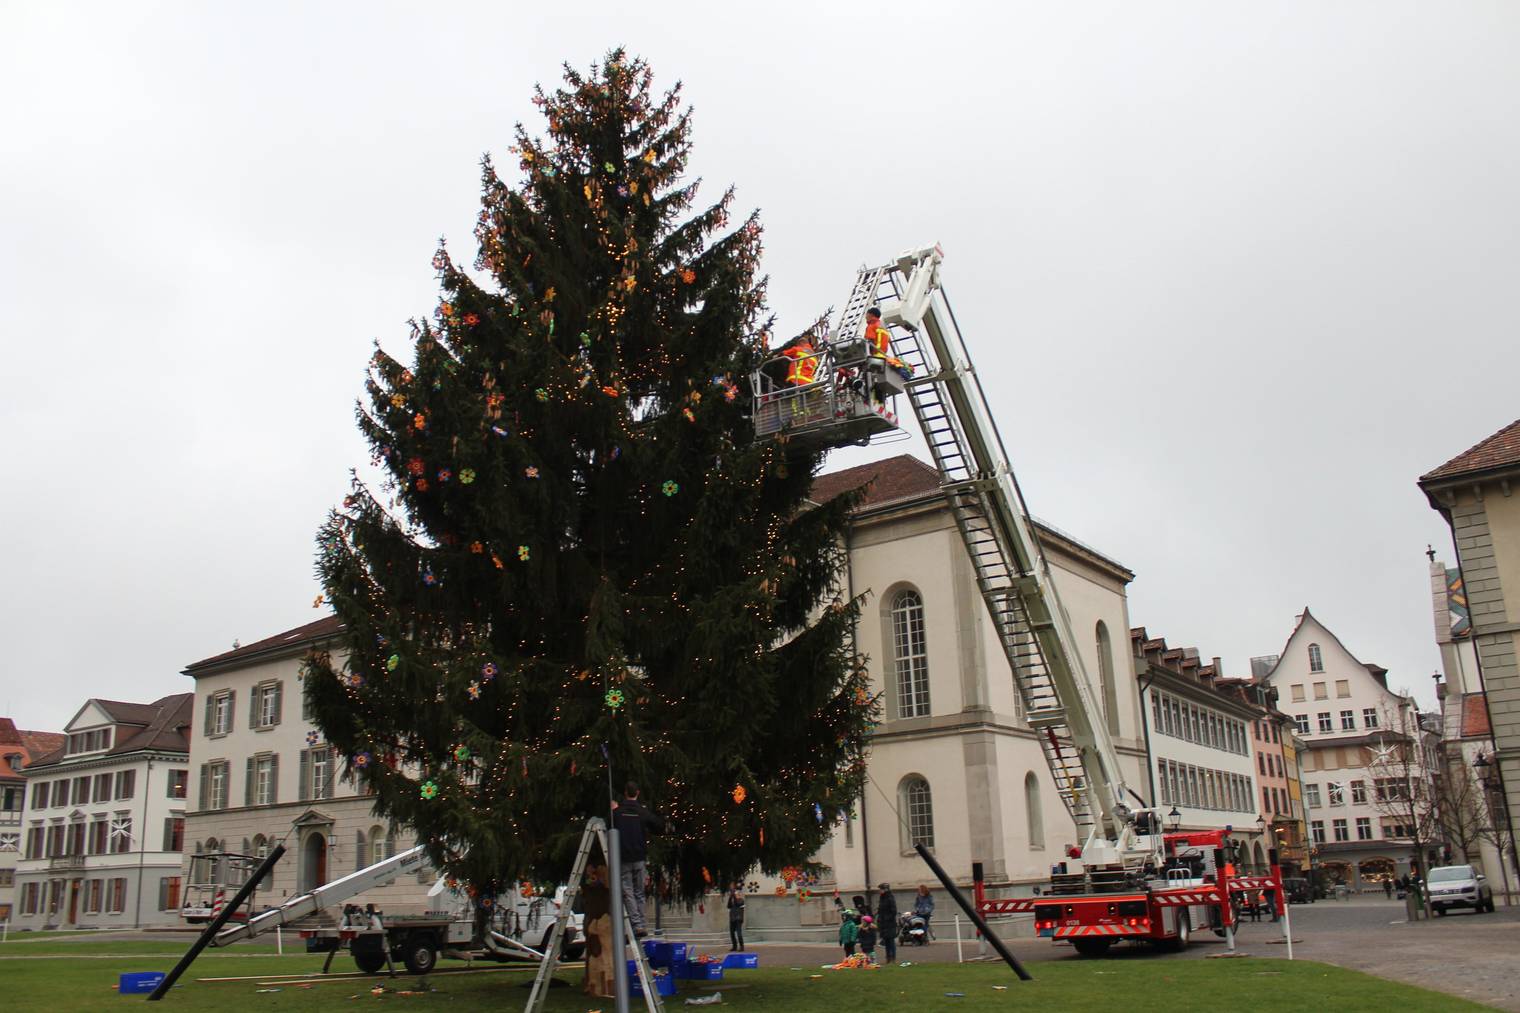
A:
[1501, 450]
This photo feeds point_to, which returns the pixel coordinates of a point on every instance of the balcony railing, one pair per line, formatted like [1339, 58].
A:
[58, 862]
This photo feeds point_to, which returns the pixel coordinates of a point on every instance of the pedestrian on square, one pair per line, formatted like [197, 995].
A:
[634, 823]
[867, 937]
[886, 917]
[736, 917]
[849, 932]
[1388, 888]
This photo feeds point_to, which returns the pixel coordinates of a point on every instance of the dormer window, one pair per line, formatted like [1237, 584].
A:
[1316, 660]
[92, 741]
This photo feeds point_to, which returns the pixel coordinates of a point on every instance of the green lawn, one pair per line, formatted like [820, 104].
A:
[59, 984]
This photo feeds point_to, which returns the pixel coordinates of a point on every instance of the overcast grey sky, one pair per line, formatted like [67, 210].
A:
[1235, 274]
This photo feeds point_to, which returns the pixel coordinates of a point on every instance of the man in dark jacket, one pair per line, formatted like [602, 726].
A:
[886, 917]
[634, 823]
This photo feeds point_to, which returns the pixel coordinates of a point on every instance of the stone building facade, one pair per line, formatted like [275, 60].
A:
[263, 775]
[1478, 494]
[104, 819]
[18, 748]
[1354, 730]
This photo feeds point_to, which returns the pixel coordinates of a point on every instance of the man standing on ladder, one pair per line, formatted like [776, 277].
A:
[634, 822]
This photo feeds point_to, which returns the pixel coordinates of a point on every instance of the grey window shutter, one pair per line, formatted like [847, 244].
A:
[305, 774]
[358, 850]
[253, 707]
[332, 770]
[163, 894]
[279, 700]
[169, 834]
[248, 782]
[210, 711]
[274, 778]
[205, 786]
[231, 708]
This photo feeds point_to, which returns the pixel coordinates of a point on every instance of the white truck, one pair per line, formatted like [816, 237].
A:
[517, 928]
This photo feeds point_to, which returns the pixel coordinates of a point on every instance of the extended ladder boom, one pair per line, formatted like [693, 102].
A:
[1011, 570]
[331, 895]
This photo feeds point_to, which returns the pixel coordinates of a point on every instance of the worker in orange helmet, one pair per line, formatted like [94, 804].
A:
[802, 369]
[877, 334]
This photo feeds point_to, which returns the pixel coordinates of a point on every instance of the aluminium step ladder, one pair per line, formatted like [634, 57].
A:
[596, 833]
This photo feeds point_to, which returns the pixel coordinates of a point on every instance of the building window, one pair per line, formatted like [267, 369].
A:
[179, 783]
[60, 794]
[39, 796]
[1337, 793]
[121, 833]
[1363, 828]
[168, 893]
[11, 841]
[219, 708]
[1195, 795]
[1324, 722]
[1317, 830]
[118, 897]
[262, 780]
[103, 786]
[100, 834]
[1301, 723]
[916, 801]
[1034, 813]
[1261, 764]
[29, 894]
[126, 784]
[1348, 721]
[1319, 691]
[1316, 663]
[1108, 685]
[1358, 792]
[1276, 733]
[1369, 717]
[1266, 799]
[214, 785]
[316, 773]
[910, 661]
[260, 847]
[1338, 828]
[1296, 691]
[1389, 789]
[1342, 688]
[174, 833]
[265, 712]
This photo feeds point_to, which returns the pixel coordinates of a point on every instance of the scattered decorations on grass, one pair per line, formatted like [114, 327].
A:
[856, 962]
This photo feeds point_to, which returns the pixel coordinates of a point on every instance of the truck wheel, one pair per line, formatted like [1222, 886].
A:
[1184, 935]
[1092, 947]
[419, 955]
[369, 961]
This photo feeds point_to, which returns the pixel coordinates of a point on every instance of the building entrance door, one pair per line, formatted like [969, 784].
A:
[313, 861]
[73, 900]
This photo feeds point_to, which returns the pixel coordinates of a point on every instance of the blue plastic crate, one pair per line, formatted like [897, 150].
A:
[140, 983]
[689, 970]
[664, 982]
[739, 961]
[651, 952]
[669, 954]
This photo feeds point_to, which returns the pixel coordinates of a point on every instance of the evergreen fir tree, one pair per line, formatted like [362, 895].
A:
[580, 555]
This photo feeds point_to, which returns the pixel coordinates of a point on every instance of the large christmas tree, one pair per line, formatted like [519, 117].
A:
[580, 556]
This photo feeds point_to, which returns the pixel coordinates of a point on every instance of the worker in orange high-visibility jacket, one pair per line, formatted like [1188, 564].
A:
[803, 367]
[878, 336]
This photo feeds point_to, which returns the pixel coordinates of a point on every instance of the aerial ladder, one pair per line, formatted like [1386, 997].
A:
[1128, 878]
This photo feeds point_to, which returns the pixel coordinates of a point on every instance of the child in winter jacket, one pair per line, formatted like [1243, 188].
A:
[867, 938]
[849, 931]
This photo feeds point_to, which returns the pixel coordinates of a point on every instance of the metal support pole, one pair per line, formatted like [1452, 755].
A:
[972, 913]
[959, 957]
[619, 954]
[217, 923]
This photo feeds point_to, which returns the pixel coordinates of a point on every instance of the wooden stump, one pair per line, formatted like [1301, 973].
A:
[600, 936]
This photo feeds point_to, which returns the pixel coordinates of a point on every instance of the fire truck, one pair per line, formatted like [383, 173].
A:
[1127, 878]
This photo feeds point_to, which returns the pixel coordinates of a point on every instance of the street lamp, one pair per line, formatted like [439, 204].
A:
[1176, 818]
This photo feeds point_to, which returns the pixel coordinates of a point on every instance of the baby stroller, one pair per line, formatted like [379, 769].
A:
[914, 929]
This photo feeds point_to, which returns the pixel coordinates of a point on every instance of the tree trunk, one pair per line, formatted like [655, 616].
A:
[599, 933]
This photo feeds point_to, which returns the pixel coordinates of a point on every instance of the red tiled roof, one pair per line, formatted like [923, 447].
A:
[896, 478]
[318, 630]
[1475, 717]
[166, 722]
[39, 744]
[1499, 450]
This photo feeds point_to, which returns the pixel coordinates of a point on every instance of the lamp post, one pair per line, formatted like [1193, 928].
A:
[1176, 817]
[1261, 828]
